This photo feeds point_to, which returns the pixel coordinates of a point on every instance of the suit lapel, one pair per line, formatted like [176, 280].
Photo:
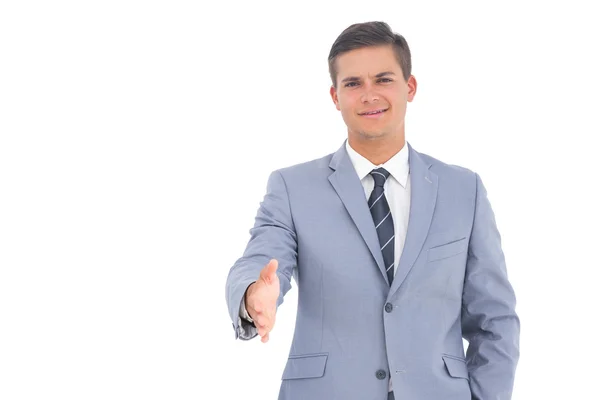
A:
[423, 196]
[424, 185]
[350, 190]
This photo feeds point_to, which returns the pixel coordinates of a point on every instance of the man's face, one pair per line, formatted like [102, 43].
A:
[370, 79]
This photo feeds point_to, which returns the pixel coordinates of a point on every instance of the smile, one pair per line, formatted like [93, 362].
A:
[374, 113]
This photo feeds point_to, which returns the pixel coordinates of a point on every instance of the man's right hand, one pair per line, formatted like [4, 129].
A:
[261, 299]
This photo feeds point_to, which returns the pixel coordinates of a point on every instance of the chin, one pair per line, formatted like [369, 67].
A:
[371, 134]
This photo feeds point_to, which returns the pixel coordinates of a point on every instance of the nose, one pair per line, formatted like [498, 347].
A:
[369, 95]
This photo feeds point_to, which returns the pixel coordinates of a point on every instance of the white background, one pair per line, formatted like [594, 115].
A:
[136, 142]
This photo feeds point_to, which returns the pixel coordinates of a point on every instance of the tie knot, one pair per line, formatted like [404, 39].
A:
[380, 175]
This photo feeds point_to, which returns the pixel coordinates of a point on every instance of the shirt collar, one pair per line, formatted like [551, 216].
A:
[397, 166]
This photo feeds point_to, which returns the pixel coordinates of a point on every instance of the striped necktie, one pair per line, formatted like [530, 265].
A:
[382, 217]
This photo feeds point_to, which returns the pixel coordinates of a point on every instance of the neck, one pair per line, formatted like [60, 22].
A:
[377, 150]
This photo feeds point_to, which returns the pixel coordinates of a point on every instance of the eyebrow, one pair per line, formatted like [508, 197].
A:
[355, 78]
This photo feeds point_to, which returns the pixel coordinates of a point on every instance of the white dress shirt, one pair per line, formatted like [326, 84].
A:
[396, 189]
[397, 194]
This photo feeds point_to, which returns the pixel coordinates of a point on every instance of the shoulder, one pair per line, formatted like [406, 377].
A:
[458, 175]
[307, 169]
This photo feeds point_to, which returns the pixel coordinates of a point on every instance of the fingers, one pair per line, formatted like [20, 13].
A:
[262, 329]
[265, 338]
[269, 272]
[261, 308]
[273, 265]
[264, 325]
[264, 321]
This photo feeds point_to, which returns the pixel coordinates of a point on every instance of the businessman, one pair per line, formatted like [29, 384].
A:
[396, 255]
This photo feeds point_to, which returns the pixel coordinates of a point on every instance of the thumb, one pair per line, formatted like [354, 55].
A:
[268, 273]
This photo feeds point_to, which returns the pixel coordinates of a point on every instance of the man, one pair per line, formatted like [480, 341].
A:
[396, 254]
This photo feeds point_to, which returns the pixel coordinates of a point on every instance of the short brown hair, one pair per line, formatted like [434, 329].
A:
[365, 34]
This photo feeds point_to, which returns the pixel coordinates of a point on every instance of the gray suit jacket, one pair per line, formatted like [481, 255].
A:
[352, 330]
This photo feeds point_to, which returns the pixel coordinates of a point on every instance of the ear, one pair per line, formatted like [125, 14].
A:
[412, 88]
[334, 97]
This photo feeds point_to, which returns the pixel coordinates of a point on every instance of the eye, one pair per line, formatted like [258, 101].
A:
[385, 80]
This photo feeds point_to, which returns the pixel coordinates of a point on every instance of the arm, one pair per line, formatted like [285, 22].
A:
[489, 321]
[273, 236]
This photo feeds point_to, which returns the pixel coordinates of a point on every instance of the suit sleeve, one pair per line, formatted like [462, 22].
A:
[273, 236]
[247, 329]
[489, 320]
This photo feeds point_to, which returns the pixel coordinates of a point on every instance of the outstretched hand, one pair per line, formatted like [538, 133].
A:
[261, 299]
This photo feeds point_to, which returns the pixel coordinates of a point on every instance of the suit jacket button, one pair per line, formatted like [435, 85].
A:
[388, 307]
[380, 374]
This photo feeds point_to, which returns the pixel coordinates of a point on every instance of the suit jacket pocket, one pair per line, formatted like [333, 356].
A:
[457, 367]
[305, 366]
[447, 250]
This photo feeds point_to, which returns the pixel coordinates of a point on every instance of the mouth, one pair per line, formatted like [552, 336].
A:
[373, 113]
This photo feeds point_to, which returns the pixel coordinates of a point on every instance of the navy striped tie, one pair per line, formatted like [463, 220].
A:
[382, 217]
